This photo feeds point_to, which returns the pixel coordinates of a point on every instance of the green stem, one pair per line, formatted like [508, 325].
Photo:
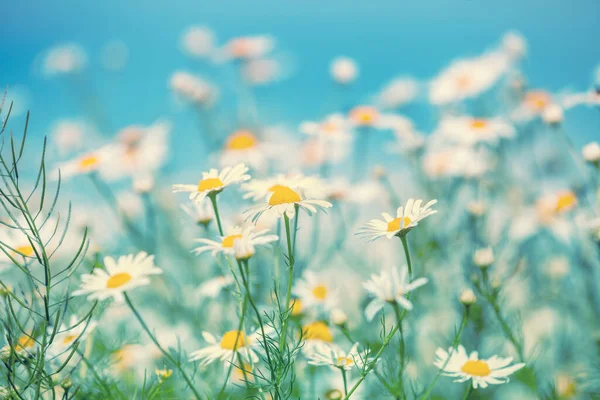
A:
[237, 338]
[455, 343]
[175, 363]
[213, 200]
[401, 350]
[290, 281]
[345, 381]
[469, 390]
[407, 254]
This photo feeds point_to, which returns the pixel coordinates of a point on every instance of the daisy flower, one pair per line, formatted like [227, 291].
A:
[261, 189]
[283, 200]
[248, 47]
[470, 131]
[223, 348]
[390, 286]
[591, 152]
[201, 213]
[193, 89]
[213, 287]
[198, 41]
[364, 116]
[84, 164]
[126, 273]
[343, 70]
[458, 364]
[406, 218]
[533, 104]
[213, 182]
[333, 127]
[68, 334]
[316, 334]
[24, 344]
[243, 146]
[64, 59]
[226, 243]
[397, 93]
[333, 356]
[314, 290]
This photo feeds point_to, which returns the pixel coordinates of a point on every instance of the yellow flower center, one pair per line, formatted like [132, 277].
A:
[296, 307]
[229, 240]
[329, 127]
[476, 368]
[25, 342]
[88, 162]
[234, 340]
[241, 140]
[209, 184]
[566, 201]
[118, 280]
[317, 331]
[163, 373]
[26, 250]
[394, 225]
[320, 292]
[479, 123]
[364, 115]
[69, 339]
[283, 195]
[345, 361]
[537, 100]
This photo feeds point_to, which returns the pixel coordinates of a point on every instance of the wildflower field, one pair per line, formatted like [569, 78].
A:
[428, 238]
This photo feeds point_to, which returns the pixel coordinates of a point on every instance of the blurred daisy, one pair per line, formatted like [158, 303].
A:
[198, 41]
[223, 348]
[84, 164]
[458, 364]
[213, 287]
[243, 146]
[226, 243]
[333, 356]
[68, 136]
[590, 98]
[67, 334]
[533, 104]
[314, 290]
[397, 93]
[334, 127]
[283, 200]
[469, 130]
[364, 116]
[262, 71]
[248, 47]
[64, 59]
[457, 161]
[514, 45]
[407, 217]
[316, 334]
[126, 273]
[483, 257]
[193, 89]
[390, 286]
[591, 152]
[343, 70]
[214, 181]
[201, 213]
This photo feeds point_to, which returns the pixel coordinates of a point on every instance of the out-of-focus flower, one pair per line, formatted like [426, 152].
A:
[590, 98]
[565, 386]
[83, 164]
[262, 189]
[243, 146]
[344, 70]
[397, 93]
[467, 297]
[193, 89]
[25, 344]
[227, 243]
[163, 374]
[213, 287]
[553, 114]
[64, 59]
[467, 78]
[456, 161]
[316, 334]
[68, 136]
[514, 44]
[315, 290]
[591, 152]
[248, 47]
[476, 208]
[126, 273]
[262, 71]
[533, 104]
[407, 217]
[214, 181]
[333, 356]
[332, 136]
[364, 116]
[130, 204]
[201, 213]
[483, 258]
[456, 363]
[114, 55]
[198, 41]
[469, 130]
[225, 347]
[338, 317]
[283, 200]
[390, 286]
[67, 334]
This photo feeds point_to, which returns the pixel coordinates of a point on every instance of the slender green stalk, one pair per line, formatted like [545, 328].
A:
[402, 348]
[213, 200]
[175, 363]
[345, 381]
[455, 343]
[468, 391]
[237, 338]
[288, 294]
[407, 254]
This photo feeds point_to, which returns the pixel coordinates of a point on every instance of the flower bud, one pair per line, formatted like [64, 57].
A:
[338, 317]
[483, 258]
[66, 383]
[467, 297]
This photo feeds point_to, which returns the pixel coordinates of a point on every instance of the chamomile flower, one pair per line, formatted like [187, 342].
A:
[334, 127]
[84, 164]
[224, 347]
[192, 89]
[213, 287]
[397, 93]
[214, 181]
[243, 146]
[315, 334]
[198, 41]
[458, 364]
[533, 104]
[315, 290]
[226, 243]
[25, 344]
[343, 70]
[201, 213]
[68, 334]
[470, 131]
[331, 355]
[283, 200]
[364, 116]
[64, 59]
[125, 273]
[390, 286]
[248, 47]
[591, 152]
[262, 189]
[407, 217]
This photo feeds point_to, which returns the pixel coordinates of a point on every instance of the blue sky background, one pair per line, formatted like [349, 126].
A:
[387, 38]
